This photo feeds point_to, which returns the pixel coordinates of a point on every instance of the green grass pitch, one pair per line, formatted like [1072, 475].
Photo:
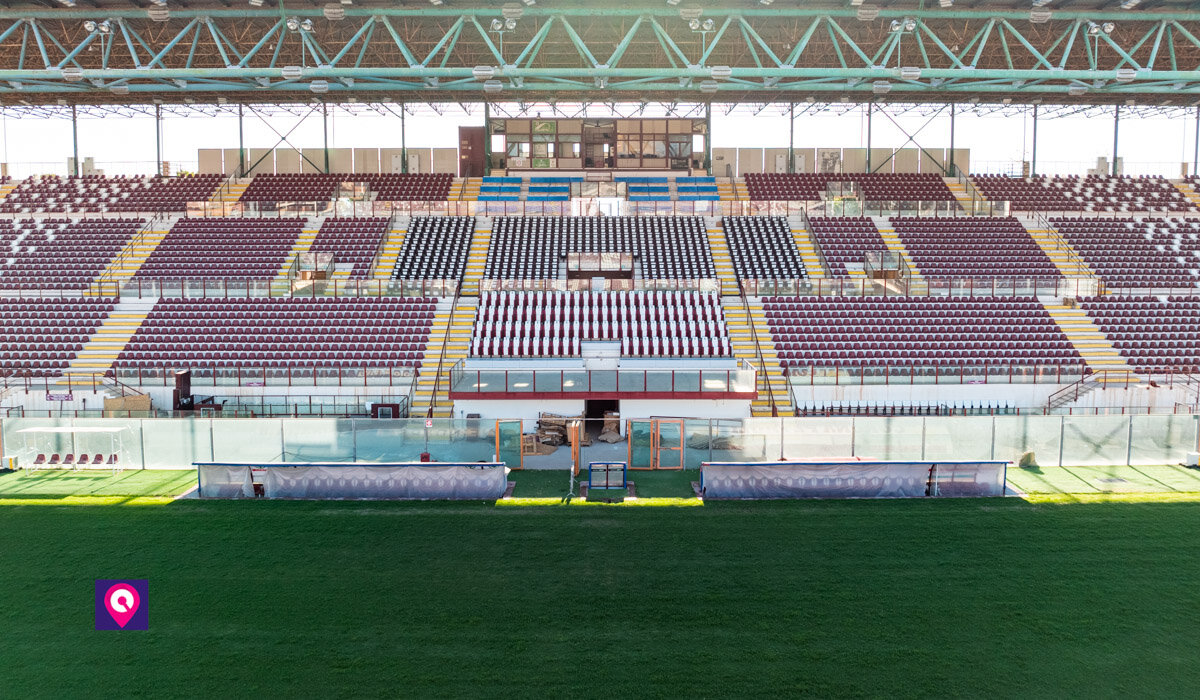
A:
[852, 598]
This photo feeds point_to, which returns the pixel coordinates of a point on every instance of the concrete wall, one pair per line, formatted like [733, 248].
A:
[906, 161]
[931, 160]
[341, 160]
[445, 160]
[881, 161]
[525, 410]
[267, 164]
[231, 159]
[366, 160]
[770, 158]
[723, 158]
[313, 160]
[385, 158]
[854, 160]
[749, 160]
[209, 161]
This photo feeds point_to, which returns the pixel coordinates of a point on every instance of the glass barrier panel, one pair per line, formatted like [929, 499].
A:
[241, 440]
[1035, 440]
[1095, 440]
[888, 438]
[1162, 439]
[172, 443]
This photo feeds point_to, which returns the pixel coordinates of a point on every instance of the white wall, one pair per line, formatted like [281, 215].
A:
[663, 408]
[1162, 399]
[496, 410]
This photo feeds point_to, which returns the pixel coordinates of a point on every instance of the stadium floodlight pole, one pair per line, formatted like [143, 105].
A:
[1033, 151]
[1116, 130]
[403, 142]
[75, 139]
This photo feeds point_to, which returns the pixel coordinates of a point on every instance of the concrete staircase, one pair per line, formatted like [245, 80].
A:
[465, 189]
[232, 194]
[742, 329]
[1188, 191]
[1097, 351]
[892, 240]
[390, 249]
[1057, 249]
[7, 188]
[722, 261]
[302, 245]
[477, 258]
[960, 193]
[126, 263]
[101, 350]
[452, 328]
[807, 247]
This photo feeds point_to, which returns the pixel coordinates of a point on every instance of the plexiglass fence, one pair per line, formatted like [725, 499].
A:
[1041, 440]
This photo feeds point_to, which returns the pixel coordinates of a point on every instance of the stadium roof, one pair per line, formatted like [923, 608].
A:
[758, 51]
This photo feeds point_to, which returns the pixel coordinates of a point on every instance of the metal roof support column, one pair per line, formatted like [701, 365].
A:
[487, 138]
[1033, 152]
[708, 138]
[325, 132]
[952, 171]
[158, 168]
[792, 137]
[1196, 145]
[1116, 129]
[403, 142]
[241, 171]
[75, 138]
[869, 110]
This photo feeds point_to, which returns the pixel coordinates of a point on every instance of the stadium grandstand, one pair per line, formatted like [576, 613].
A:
[305, 250]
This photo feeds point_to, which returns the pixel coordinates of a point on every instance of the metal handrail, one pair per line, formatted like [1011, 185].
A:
[1081, 268]
[387, 232]
[108, 274]
[762, 363]
[437, 382]
[1085, 385]
[808, 230]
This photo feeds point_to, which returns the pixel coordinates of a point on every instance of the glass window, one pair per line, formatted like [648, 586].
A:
[654, 148]
[629, 147]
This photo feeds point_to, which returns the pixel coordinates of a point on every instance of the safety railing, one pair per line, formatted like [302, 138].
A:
[123, 258]
[614, 285]
[327, 406]
[763, 381]
[151, 288]
[257, 376]
[1077, 264]
[949, 372]
[1122, 379]
[928, 287]
[737, 383]
[28, 381]
[864, 410]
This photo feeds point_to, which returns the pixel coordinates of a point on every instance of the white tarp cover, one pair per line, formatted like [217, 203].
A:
[851, 479]
[222, 481]
[418, 481]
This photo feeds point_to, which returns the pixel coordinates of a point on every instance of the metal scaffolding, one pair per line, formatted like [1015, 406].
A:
[601, 52]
